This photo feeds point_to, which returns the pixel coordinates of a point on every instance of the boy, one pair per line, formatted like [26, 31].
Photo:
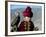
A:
[27, 24]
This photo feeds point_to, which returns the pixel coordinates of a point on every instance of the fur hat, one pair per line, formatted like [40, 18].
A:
[28, 12]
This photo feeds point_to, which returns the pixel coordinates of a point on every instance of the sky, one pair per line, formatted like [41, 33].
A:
[23, 6]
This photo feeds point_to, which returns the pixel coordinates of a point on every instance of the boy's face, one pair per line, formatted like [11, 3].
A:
[27, 19]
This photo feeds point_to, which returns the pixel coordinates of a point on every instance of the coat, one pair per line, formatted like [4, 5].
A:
[26, 26]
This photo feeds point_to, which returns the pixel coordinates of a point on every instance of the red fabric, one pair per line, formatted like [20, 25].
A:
[27, 12]
[22, 27]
